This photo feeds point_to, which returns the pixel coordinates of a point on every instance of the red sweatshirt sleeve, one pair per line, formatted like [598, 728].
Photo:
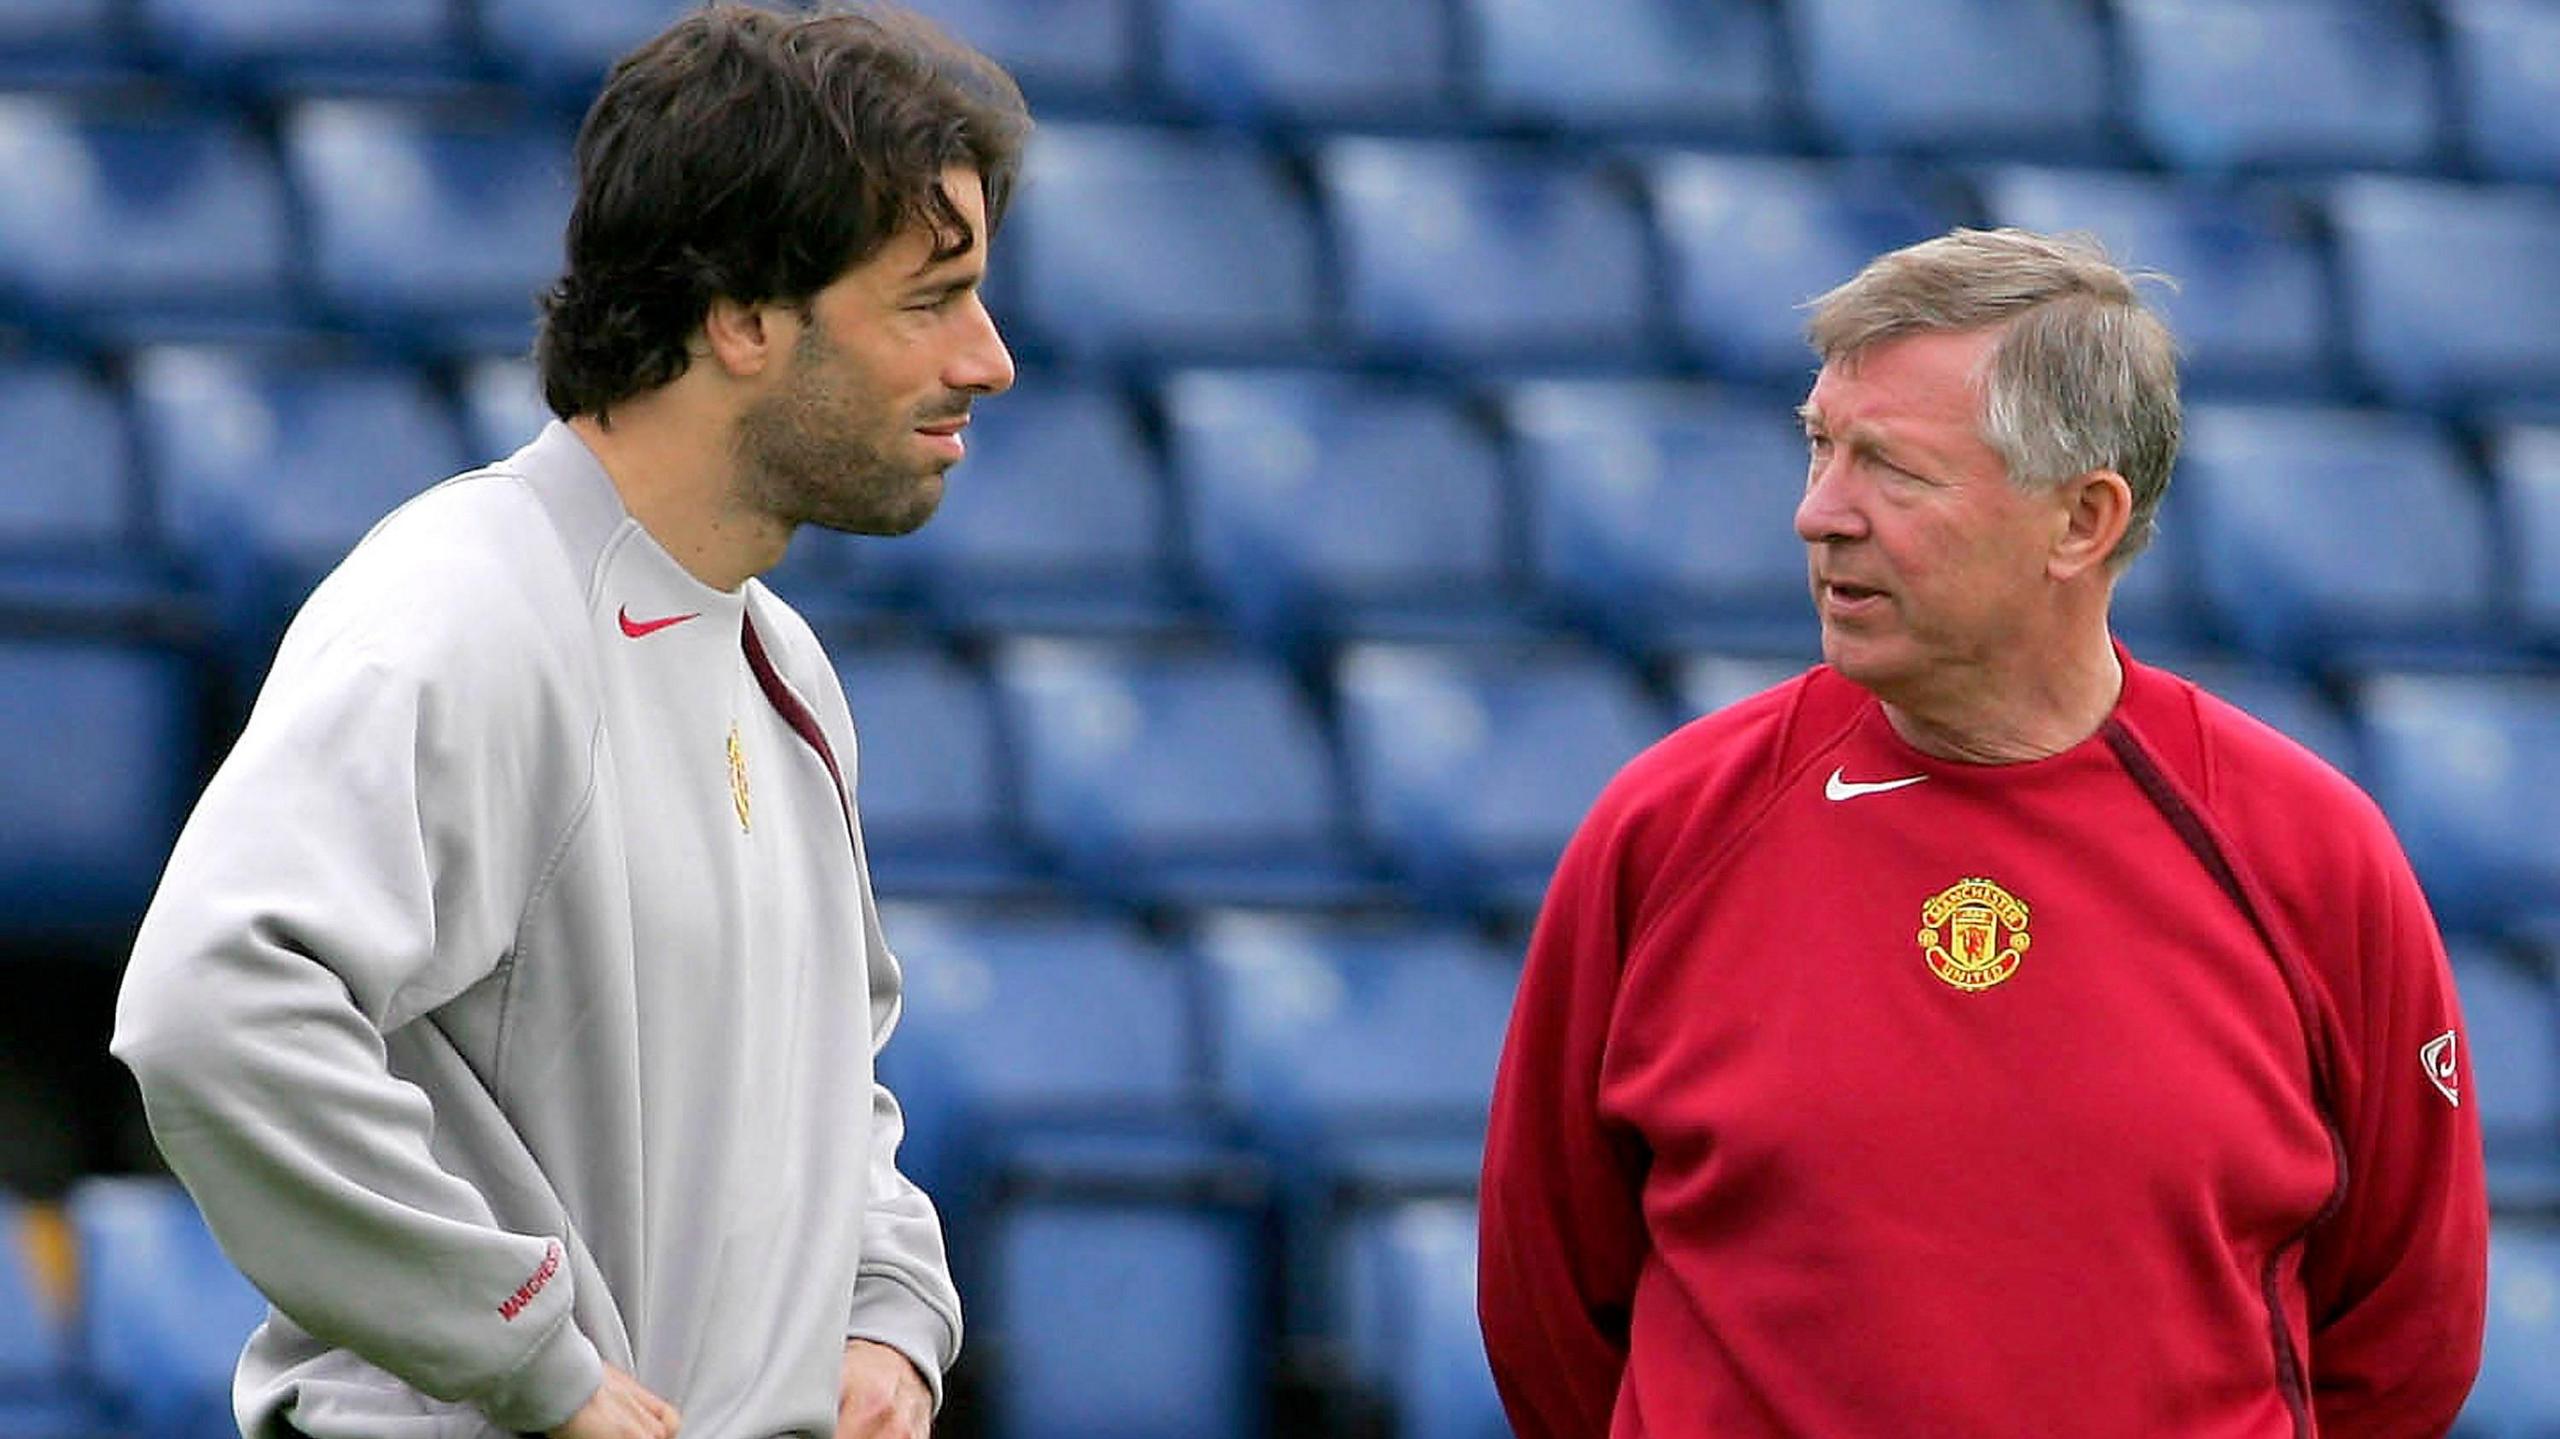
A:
[2397, 1278]
[1562, 1234]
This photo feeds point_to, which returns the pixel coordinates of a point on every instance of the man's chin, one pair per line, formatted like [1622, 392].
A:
[890, 521]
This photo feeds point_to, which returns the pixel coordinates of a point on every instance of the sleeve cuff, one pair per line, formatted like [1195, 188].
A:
[554, 1382]
[886, 1311]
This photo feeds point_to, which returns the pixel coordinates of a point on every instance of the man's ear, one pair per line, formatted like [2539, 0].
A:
[741, 339]
[2097, 507]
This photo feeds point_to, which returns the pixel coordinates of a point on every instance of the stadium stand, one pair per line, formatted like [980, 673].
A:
[162, 1314]
[2452, 290]
[1336, 60]
[1663, 517]
[2342, 535]
[1320, 505]
[1456, 252]
[1411, 1324]
[1748, 238]
[305, 43]
[2462, 764]
[1223, 265]
[1080, 48]
[1940, 76]
[389, 187]
[2221, 85]
[2527, 462]
[1403, 441]
[2505, 58]
[1166, 773]
[139, 224]
[41, 1393]
[1607, 67]
[1471, 767]
[97, 756]
[2518, 1393]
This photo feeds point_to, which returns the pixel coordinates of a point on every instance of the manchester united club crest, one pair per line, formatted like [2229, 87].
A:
[1973, 934]
[738, 776]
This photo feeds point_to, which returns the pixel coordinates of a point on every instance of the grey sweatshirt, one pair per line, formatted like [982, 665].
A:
[510, 1000]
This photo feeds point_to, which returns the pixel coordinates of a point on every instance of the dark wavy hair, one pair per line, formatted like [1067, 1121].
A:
[754, 156]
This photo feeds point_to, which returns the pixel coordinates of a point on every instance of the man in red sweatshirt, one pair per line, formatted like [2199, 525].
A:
[1983, 1033]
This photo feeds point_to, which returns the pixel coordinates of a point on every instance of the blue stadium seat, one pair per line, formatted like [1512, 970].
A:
[1612, 66]
[2527, 463]
[2224, 84]
[46, 42]
[1664, 516]
[2154, 607]
[1121, 1320]
[1707, 682]
[936, 812]
[269, 472]
[2518, 1393]
[1073, 47]
[1749, 239]
[1320, 504]
[1335, 60]
[69, 477]
[1016, 1024]
[2465, 765]
[2505, 56]
[97, 753]
[139, 226]
[1056, 521]
[2333, 534]
[1171, 773]
[566, 45]
[71, 541]
[41, 1396]
[429, 225]
[1360, 1053]
[1138, 242]
[1462, 252]
[2250, 304]
[307, 42]
[2512, 1018]
[502, 407]
[163, 1314]
[2452, 291]
[1472, 768]
[2015, 76]
[1410, 1326]
[2285, 701]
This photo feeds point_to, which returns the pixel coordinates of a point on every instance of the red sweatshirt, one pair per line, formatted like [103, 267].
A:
[1855, 1092]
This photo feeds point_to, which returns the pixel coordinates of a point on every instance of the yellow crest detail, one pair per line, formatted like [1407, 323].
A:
[738, 776]
[1962, 930]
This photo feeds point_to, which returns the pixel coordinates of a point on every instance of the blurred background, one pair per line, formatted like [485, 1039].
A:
[1403, 440]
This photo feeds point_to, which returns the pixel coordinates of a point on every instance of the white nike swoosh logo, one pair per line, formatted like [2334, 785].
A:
[1836, 788]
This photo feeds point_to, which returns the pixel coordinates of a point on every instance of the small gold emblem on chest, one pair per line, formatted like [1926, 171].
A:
[738, 776]
[1962, 933]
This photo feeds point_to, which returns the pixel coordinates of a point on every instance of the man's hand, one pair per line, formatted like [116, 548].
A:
[622, 1408]
[883, 1395]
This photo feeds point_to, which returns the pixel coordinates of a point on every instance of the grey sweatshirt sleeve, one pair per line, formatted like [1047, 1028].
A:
[904, 1296]
[363, 856]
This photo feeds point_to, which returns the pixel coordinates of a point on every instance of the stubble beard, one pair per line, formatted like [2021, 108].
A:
[819, 453]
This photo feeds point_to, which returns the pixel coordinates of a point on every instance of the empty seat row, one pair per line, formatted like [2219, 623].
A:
[2203, 85]
[1146, 772]
[1309, 506]
[1165, 245]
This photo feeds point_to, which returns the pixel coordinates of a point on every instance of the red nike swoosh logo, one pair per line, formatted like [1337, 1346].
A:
[638, 628]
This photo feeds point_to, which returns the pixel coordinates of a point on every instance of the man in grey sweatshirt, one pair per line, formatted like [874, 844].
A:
[510, 1001]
